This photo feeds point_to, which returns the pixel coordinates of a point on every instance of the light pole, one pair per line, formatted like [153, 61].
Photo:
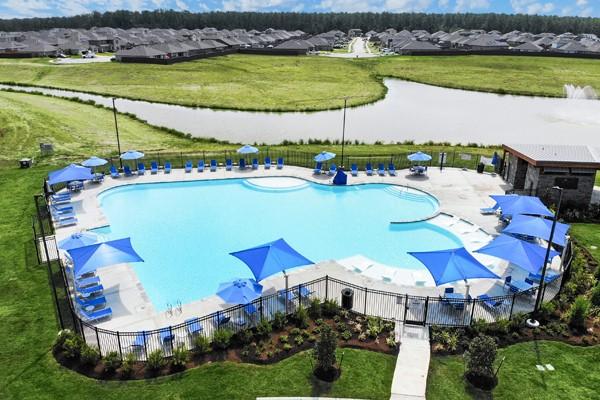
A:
[344, 130]
[540, 294]
[117, 130]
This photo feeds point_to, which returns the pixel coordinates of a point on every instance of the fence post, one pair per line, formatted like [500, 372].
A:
[119, 343]
[326, 287]
[472, 312]
[366, 291]
[171, 337]
[181, 159]
[512, 305]
[261, 308]
[426, 310]
[97, 339]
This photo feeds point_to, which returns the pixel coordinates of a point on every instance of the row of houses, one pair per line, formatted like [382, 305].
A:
[420, 41]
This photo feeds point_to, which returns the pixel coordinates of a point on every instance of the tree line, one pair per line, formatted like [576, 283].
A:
[310, 22]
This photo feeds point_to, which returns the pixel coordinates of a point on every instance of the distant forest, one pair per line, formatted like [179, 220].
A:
[310, 22]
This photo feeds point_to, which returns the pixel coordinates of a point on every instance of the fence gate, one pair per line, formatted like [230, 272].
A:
[416, 310]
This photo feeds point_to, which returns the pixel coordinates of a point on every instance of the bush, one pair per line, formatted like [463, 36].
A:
[71, 347]
[222, 338]
[295, 331]
[312, 338]
[61, 337]
[319, 321]
[391, 342]
[180, 357]
[287, 347]
[304, 333]
[245, 336]
[89, 355]
[279, 320]
[330, 307]
[299, 340]
[595, 295]
[480, 358]
[346, 335]
[112, 361]
[547, 310]
[201, 344]
[284, 338]
[128, 363]
[579, 312]
[325, 351]
[374, 326]
[264, 328]
[301, 317]
[155, 360]
[314, 309]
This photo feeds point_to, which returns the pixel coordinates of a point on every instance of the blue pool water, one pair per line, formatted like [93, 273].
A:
[185, 231]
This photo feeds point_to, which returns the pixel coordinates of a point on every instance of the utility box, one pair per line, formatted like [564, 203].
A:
[46, 148]
[25, 162]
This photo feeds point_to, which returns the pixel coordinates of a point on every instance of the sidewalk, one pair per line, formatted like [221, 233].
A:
[412, 364]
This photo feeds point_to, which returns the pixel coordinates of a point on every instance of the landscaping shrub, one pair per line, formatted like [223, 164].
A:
[89, 355]
[279, 320]
[341, 326]
[324, 354]
[180, 357]
[155, 360]
[391, 342]
[312, 338]
[127, 366]
[480, 358]
[346, 335]
[304, 333]
[547, 310]
[71, 347]
[284, 338]
[61, 337]
[222, 338]
[579, 312]
[330, 307]
[287, 347]
[245, 336]
[374, 326]
[314, 309]
[595, 296]
[301, 317]
[319, 321]
[299, 340]
[295, 331]
[264, 328]
[201, 344]
[112, 361]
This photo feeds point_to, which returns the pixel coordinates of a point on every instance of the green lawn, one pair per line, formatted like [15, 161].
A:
[588, 235]
[254, 82]
[576, 376]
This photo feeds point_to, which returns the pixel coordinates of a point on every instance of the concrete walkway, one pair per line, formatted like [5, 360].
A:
[412, 364]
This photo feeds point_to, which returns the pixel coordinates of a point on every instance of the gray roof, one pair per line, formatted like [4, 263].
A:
[557, 155]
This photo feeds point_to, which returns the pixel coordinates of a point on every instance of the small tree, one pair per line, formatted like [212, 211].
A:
[480, 358]
[325, 354]
[579, 312]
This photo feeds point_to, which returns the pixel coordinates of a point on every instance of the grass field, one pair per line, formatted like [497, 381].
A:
[576, 375]
[588, 235]
[254, 82]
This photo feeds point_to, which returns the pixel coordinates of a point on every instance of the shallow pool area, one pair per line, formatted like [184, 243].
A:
[186, 230]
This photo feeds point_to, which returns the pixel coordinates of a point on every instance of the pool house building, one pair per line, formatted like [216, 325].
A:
[533, 169]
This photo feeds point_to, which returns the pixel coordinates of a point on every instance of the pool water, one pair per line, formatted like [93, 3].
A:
[185, 231]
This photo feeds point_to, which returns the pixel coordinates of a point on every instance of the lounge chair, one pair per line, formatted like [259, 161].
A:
[94, 302]
[282, 295]
[200, 166]
[242, 164]
[168, 167]
[75, 186]
[194, 326]
[98, 177]
[318, 168]
[213, 165]
[188, 166]
[140, 341]
[488, 210]
[91, 316]
[304, 292]
[250, 309]
[369, 169]
[228, 164]
[354, 170]
[392, 169]
[280, 163]
[153, 168]
[85, 282]
[254, 163]
[536, 278]
[332, 170]
[60, 197]
[490, 302]
[113, 172]
[267, 162]
[65, 222]
[220, 319]
[166, 336]
[61, 208]
[141, 169]
[381, 170]
[90, 290]
[63, 215]
[518, 285]
[127, 171]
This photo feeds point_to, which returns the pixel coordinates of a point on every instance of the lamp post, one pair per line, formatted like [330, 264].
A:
[344, 130]
[532, 322]
[117, 130]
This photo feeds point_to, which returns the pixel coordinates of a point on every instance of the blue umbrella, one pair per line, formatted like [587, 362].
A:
[419, 156]
[271, 258]
[452, 265]
[537, 227]
[89, 258]
[132, 155]
[71, 173]
[247, 149]
[239, 291]
[527, 255]
[78, 239]
[94, 162]
[324, 156]
[529, 205]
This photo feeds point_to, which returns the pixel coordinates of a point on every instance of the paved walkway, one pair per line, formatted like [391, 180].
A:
[412, 364]
[359, 50]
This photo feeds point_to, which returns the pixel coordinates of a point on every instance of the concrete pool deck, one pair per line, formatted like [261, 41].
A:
[461, 194]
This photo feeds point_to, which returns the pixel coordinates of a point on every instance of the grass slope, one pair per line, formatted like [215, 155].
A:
[576, 375]
[588, 235]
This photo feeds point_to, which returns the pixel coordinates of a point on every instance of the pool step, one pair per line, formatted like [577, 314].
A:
[407, 195]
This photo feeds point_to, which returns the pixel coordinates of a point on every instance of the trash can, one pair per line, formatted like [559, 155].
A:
[480, 168]
[25, 162]
[347, 298]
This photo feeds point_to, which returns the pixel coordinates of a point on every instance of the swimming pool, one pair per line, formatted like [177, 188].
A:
[186, 230]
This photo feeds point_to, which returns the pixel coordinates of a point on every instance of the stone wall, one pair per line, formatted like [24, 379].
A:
[516, 172]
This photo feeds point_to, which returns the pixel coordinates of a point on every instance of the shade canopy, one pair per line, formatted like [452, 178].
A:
[94, 162]
[239, 291]
[529, 205]
[419, 156]
[527, 255]
[271, 258]
[452, 265]
[324, 156]
[78, 239]
[537, 227]
[70, 173]
[247, 149]
[132, 155]
[89, 258]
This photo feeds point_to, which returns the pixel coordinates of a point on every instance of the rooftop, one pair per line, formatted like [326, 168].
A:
[556, 155]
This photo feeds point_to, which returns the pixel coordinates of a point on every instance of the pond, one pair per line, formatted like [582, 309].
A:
[410, 111]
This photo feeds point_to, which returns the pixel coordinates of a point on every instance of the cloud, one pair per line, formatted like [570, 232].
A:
[581, 3]
[443, 3]
[470, 5]
[182, 5]
[348, 5]
[407, 5]
[531, 7]
[251, 5]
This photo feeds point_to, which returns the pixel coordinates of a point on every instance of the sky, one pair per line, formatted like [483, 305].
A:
[45, 8]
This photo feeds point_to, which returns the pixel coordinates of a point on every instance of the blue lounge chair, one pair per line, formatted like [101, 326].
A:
[113, 172]
[280, 163]
[59, 216]
[254, 163]
[194, 326]
[282, 296]
[220, 319]
[98, 177]
[318, 168]
[154, 167]
[168, 167]
[65, 222]
[304, 291]
[213, 165]
[61, 208]
[267, 162]
[90, 290]
[490, 302]
[369, 169]
[536, 278]
[188, 166]
[250, 309]
[332, 170]
[96, 315]
[228, 165]
[140, 340]
[518, 285]
[141, 169]
[166, 336]
[95, 302]
[354, 170]
[381, 169]
[85, 282]
[242, 164]
[63, 196]
[201, 166]
[127, 170]
[392, 169]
